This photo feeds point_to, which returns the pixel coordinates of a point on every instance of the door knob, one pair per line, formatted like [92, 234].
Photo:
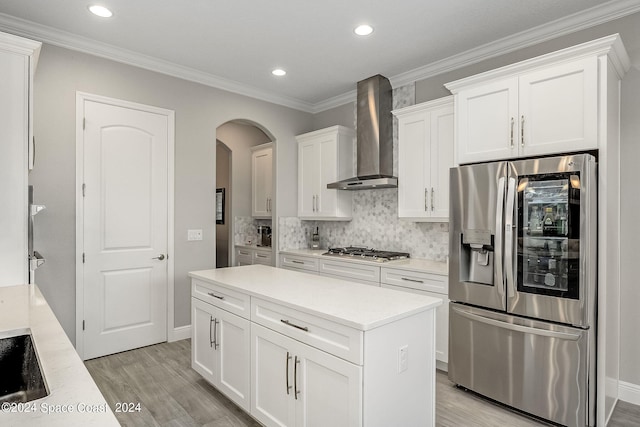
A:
[161, 257]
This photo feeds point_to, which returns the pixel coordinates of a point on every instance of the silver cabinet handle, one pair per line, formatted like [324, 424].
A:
[260, 256]
[210, 330]
[317, 203]
[297, 262]
[411, 280]
[296, 392]
[313, 206]
[215, 296]
[286, 370]
[288, 323]
[432, 204]
[522, 131]
[512, 124]
[426, 192]
[160, 257]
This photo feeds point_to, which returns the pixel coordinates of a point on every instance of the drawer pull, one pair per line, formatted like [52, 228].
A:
[297, 262]
[261, 256]
[302, 328]
[215, 296]
[411, 280]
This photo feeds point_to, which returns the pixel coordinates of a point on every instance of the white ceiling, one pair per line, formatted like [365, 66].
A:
[235, 44]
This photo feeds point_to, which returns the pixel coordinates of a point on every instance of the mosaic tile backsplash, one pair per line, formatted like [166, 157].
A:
[246, 229]
[375, 224]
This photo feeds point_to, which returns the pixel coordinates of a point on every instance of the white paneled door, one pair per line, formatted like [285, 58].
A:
[125, 215]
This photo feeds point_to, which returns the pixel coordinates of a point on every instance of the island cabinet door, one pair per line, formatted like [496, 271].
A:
[203, 353]
[232, 343]
[327, 389]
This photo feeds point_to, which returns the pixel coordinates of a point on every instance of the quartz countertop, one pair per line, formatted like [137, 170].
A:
[254, 246]
[352, 304]
[74, 399]
[414, 264]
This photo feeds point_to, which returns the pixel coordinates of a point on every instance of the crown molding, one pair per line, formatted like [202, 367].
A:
[45, 34]
[591, 17]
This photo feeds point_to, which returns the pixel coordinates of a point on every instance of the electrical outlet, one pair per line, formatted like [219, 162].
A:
[194, 235]
[403, 358]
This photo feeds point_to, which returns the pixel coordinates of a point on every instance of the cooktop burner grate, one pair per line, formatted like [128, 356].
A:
[366, 253]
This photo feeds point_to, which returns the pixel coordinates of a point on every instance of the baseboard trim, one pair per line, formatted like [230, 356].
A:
[180, 333]
[629, 392]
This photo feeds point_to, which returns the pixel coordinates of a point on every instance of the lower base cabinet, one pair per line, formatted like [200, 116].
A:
[220, 350]
[297, 385]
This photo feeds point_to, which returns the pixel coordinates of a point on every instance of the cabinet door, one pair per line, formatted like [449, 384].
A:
[327, 151]
[202, 351]
[260, 257]
[261, 185]
[487, 121]
[233, 339]
[559, 108]
[272, 400]
[308, 178]
[244, 257]
[328, 390]
[413, 151]
[441, 159]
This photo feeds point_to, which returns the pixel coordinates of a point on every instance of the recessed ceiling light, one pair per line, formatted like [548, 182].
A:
[100, 11]
[363, 30]
[279, 72]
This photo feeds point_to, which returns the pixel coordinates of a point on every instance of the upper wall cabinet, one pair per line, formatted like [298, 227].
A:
[425, 154]
[262, 180]
[545, 105]
[17, 64]
[324, 156]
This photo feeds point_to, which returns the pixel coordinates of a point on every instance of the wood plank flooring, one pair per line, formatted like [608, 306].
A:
[170, 393]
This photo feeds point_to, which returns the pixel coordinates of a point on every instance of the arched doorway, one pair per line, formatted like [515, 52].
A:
[234, 142]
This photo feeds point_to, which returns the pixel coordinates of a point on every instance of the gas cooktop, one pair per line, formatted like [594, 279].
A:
[366, 253]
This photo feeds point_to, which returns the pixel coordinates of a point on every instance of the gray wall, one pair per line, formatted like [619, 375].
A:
[629, 28]
[199, 111]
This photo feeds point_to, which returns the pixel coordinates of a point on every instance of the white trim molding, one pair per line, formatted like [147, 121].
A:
[591, 17]
[629, 392]
[180, 333]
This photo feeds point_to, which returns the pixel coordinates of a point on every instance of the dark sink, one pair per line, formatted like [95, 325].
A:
[21, 378]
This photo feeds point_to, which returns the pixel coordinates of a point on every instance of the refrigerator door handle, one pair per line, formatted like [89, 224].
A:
[508, 236]
[517, 328]
[498, 241]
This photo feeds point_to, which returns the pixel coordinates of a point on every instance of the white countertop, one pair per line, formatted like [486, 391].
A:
[71, 388]
[352, 304]
[414, 264]
[253, 246]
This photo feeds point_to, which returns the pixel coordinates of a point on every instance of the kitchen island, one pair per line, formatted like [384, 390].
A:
[74, 398]
[293, 348]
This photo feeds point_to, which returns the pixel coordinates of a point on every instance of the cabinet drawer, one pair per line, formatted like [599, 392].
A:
[350, 270]
[298, 263]
[262, 257]
[334, 338]
[227, 299]
[415, 280]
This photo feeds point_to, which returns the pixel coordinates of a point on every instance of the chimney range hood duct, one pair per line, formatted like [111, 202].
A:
[374, 138]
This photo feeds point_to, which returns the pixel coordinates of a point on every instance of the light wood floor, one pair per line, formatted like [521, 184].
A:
[170, 393]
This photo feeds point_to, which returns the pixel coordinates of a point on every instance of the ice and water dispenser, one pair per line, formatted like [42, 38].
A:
[477, 256]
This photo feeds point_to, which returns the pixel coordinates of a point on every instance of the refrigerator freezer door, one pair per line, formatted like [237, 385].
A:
[538, 367]
[476, 270]
[550, 262]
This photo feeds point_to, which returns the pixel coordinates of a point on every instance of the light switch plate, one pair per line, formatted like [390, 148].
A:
[194, 235]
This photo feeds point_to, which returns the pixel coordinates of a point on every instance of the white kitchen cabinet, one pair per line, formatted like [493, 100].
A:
[314, 388]
[433, 285]
[18, 58]
[359, 272]
[308, 264]
[324, 156]
[546, 105]
[221, 349]
[253, 255]
[425, 154]
[262, 180]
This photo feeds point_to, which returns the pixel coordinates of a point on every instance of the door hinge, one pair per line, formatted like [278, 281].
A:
[84, 123]
[84, 189]
[83, 325]
[83, 257]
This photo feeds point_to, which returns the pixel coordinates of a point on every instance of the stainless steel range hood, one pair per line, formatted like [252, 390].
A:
[374, 140]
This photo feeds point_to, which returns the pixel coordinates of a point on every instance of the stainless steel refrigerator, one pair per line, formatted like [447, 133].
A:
[522, 284]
